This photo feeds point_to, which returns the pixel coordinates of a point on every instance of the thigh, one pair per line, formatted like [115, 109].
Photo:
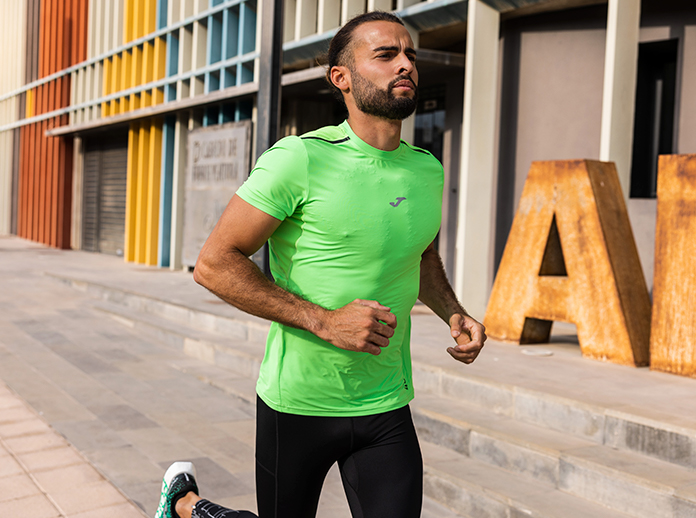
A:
[293, 456]
[383, 478]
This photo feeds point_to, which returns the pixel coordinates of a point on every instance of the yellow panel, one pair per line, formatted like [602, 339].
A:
[136, 75]
[153, 191]
[115, 82]
[148, 63]
[126, 69]
[107, 86]
[128, 20]
[138, 19]
[131, 191]
[141, 195]
[30, 103]
[160, 69]
[150, 22]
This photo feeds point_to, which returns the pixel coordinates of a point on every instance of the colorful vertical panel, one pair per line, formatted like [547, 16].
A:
[45, 164]
[13, 36]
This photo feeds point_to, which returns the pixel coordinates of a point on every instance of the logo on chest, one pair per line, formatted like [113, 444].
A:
[398, 201]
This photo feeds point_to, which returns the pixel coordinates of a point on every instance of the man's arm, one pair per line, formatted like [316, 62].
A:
[437, 294]
[225, 269]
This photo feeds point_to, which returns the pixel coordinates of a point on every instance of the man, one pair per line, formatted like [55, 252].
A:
[351, 213]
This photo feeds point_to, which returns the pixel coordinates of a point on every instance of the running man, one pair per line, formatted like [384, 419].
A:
[351, 212]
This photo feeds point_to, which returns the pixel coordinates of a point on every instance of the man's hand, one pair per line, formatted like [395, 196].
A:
[362, 325]
[469, 335]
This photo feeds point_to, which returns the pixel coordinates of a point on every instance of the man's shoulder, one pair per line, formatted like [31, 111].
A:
[419, 150]
[326, 135]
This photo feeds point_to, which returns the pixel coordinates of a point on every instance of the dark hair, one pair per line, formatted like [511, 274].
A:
[340, 52]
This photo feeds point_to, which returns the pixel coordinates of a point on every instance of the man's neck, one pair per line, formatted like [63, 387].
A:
[380, 133]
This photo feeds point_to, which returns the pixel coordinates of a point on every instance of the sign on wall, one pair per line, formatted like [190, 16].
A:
[217, 165]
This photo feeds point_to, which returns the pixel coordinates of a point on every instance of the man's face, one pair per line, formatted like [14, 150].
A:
[383, 73]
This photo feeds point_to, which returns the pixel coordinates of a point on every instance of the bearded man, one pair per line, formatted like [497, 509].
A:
[351, 212]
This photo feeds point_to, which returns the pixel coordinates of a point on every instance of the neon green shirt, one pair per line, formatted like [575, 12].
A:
[355, 222]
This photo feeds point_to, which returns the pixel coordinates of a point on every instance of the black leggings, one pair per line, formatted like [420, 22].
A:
[378, 455]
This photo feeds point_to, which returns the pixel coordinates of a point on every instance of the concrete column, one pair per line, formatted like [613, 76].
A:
[619, 97]
[473, 274]
[77, 198]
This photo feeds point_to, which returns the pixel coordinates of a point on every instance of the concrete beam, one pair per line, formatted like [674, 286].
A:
[619, 97]
[473, 275]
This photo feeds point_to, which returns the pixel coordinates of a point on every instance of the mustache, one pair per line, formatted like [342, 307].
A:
[403, 78]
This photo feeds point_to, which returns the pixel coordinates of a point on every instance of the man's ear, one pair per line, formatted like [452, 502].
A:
[340, 77]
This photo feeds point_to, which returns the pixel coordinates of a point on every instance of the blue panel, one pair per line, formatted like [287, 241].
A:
[245, 72]
[214, 38]
[231, 32]
[166, 183]
[247, 22]
[172, 54]
[229, 77]
[162, 13]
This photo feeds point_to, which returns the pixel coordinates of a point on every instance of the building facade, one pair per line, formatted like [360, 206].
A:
[98, 96]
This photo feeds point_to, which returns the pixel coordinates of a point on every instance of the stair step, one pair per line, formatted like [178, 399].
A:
[478, 490]
[240, 356]
[622, 480]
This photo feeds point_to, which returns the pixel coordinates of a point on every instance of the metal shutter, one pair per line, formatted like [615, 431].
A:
[104, 208]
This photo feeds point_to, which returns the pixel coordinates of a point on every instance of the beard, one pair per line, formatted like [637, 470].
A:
[371, 99]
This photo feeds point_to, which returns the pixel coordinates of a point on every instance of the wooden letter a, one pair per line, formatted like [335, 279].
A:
[673, 340]
[571, 257]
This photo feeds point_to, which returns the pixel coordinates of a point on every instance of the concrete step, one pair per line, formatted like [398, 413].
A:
[228, 321]
[621, 480]
[618, 427]
[624, 430]
[235, 354]
[478, 490]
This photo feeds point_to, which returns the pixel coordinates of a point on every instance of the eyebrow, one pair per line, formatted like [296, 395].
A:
[407, 50]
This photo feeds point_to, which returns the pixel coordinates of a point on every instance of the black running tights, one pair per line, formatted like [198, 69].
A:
[378, 456]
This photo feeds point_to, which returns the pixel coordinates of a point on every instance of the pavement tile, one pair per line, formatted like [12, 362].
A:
[145, 495]
[41, 507]
[36, 442]
[78, 499]
[8, 401]
[113, 511]
[50, 459]
[160, 444]
[90, 435]
[17, 486]
[126, 465]
[56, 480]
[10, 467]
[30, 426]
[216, 482]
[122, 417]
[17, 414]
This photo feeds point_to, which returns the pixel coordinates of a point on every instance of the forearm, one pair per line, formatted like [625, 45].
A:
[435, 290]
[239, 282]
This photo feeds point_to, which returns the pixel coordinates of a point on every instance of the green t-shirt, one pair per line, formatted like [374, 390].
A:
[355, 222]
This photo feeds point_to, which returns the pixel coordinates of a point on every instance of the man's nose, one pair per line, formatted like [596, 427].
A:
[406, 66]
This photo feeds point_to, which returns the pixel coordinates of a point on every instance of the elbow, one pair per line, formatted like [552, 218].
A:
[201, 272]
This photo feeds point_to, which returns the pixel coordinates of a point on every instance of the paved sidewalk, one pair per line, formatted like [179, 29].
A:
[42, 476]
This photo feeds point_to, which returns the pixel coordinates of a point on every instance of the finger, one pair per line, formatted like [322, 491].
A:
[372, 304]
[464, 357]
[476, 334]
[382, 329]
[386, 317]
[456, 325]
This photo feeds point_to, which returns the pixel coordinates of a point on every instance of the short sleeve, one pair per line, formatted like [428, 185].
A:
[278, 182]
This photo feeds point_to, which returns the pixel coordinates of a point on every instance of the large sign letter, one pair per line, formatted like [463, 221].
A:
[673, 341]
[571, 257]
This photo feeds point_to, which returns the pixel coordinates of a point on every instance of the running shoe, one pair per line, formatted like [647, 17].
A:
[179, 479]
